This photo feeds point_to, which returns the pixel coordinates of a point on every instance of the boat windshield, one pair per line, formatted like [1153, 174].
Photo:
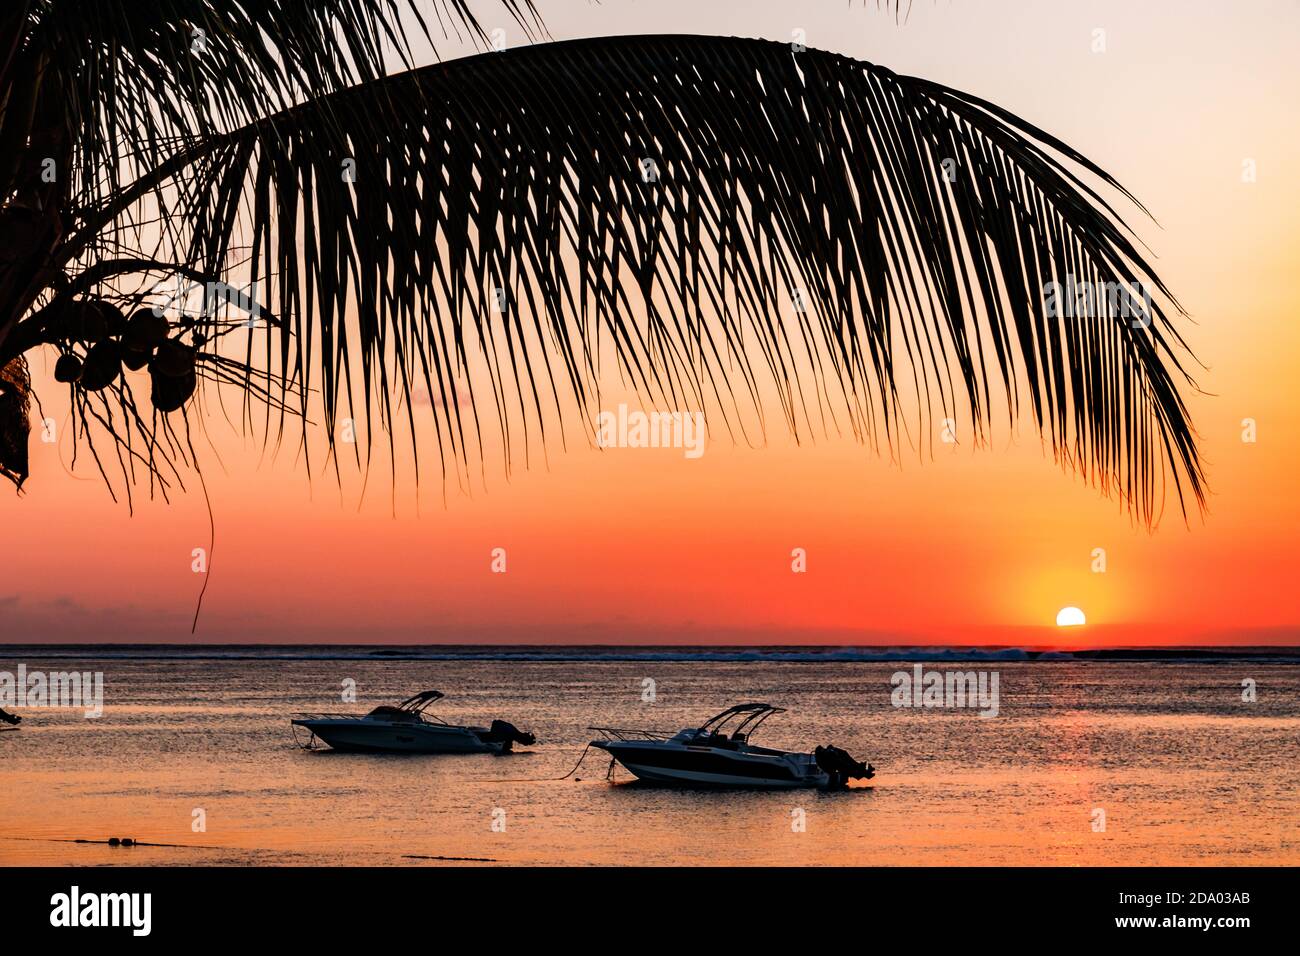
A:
[411, 709]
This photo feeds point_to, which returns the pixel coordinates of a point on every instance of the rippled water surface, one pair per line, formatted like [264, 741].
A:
[1184, 770]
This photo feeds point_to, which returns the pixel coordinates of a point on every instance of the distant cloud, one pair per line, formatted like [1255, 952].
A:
[66, 619]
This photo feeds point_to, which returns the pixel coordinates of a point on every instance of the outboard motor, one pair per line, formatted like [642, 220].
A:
[841, 767]
[505, 731]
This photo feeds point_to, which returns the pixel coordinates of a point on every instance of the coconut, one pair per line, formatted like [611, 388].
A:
[67, 368]
[87, 321]
[113, 318]
[145, 331]
[173, 358]
[102, 367]
[170, 392]
[134, 360]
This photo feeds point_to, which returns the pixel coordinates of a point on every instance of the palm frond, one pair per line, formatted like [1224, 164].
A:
[725, 218]
[137, 77]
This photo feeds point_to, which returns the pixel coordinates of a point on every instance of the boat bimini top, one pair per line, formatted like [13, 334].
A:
[734, 725]
[411, 710]
[743, 719]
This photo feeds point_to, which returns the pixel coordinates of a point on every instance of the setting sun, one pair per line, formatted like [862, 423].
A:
[1070, 617]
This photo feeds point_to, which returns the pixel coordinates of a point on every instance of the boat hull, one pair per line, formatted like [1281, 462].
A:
[362, 736]
[708, 767]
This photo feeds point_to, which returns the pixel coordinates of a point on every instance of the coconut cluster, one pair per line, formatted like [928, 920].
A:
[113, 341]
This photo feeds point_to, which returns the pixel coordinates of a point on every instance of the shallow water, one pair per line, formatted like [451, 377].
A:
[1184, 770]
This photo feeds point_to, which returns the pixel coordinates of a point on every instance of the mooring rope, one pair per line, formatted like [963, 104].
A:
[312, 742]
[543, 779]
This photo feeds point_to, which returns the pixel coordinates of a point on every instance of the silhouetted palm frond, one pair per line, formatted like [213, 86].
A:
[133, 78]
[777, 178]
[725, 218]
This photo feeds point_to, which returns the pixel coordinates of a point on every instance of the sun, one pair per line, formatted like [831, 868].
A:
[1070, 617]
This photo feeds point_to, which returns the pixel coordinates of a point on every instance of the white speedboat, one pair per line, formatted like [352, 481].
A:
[407, 728]
[719, 754]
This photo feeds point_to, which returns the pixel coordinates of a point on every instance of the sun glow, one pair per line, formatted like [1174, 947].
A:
[1070, 617]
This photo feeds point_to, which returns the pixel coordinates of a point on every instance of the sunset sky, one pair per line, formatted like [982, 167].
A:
[967, 545]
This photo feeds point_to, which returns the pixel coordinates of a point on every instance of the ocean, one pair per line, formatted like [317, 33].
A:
[1171, 757]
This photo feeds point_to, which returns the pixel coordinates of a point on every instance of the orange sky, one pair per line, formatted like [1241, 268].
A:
[647, 546]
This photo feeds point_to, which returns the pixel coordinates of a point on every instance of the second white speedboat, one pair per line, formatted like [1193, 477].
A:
[407, 728]
[719, 754]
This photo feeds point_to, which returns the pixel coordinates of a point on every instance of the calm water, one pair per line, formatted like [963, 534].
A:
[1185, 771]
